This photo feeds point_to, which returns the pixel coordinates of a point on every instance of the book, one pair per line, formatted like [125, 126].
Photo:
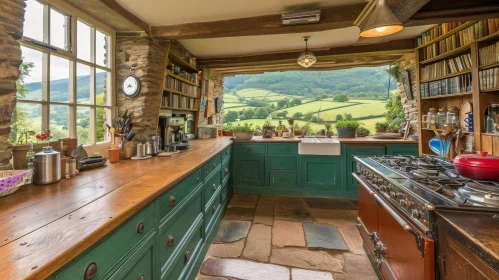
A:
[454, 85]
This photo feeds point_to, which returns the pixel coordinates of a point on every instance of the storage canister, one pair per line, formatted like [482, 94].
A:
[47, 166]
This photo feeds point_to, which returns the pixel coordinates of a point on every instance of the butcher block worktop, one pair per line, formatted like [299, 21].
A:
[44, 227]
[357, 140]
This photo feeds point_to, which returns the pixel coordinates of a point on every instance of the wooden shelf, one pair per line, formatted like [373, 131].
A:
[447, 95]
[175, 59]
[491, 134]
[181, 79]
[448, 54]
[490, 90]
[179, 93]
[489, 37]
[446, 76]
[429, 129]
[178, 109]
[448, 34]
[488, 66]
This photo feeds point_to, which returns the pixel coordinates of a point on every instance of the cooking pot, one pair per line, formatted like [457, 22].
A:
[479, 166]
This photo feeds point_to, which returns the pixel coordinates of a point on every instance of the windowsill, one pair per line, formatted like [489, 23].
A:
[97, 149]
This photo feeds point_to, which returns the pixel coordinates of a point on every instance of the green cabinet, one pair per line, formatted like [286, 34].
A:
[283, 179]
[249, 170]
[321, 172]
[402, 149]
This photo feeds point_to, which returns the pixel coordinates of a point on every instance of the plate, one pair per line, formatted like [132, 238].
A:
[434, 144]
[466, 108]
[387, 135]
[139, 158]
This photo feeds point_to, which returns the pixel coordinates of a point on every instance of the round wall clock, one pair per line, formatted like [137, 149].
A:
[131, 86]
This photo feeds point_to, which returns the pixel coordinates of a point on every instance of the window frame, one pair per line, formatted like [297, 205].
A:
[47, 50]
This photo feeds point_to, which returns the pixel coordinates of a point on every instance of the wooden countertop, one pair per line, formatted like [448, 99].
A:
[478, 231]
[357, 140]
[44, 227]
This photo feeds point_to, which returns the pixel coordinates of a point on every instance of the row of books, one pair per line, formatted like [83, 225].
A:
[178, 101]
[191, 77]
[446, 67]
[489, 78]
[489, 54]
[172, 83]
[436, 32]
[454, 85]
[461, 38]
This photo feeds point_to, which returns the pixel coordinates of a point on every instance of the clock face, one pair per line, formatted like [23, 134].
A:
[131, 86]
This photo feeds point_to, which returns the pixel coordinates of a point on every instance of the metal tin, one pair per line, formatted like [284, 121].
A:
[47, 167]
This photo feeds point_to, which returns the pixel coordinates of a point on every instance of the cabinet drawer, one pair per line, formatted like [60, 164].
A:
[245, 148]
[282, 148]
[211, 186]
[226, 170]
[282, 179]
[187, 257]
[283, 162]
[113, 247]
[225, 191]
[226, 154]
[174, 230]
[211, 165]
[140, 265]
[173, 198]
[210, 212]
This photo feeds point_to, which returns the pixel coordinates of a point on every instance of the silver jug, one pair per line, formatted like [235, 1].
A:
[47, 166]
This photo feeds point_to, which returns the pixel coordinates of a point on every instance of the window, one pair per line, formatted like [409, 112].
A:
[66, 76]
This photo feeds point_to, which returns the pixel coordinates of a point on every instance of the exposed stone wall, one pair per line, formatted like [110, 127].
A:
[218, 91]
[147, 56]
[11, 29]
[408, 63]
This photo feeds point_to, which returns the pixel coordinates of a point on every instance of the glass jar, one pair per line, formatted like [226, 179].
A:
[453, 117]
[441, 117]
[432, 118]
[494, 112]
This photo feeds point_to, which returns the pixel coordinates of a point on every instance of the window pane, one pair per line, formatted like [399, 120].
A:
[59, 121]
[102, 87]
[59, 79]
[27, 117]
[83, 84]
[29, 85]
[102, 116]
[33, 20]
[83, 125]
[101, 47]
[58, 30]
[83, 41]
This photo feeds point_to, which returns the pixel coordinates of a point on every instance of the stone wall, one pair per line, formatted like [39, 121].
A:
[408, 63]
[218, 91]
[147, 55]
[11, 29]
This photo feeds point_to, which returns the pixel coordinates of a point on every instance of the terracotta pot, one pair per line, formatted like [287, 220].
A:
[19, 152]
[381, 131]
[227, 133]
[268, 132]
[298, 132]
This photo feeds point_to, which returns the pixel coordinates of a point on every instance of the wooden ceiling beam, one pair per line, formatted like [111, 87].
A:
[117, 8]
[331, 18]
[453, 15]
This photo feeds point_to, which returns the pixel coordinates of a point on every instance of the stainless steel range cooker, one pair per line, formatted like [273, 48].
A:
[397, 199]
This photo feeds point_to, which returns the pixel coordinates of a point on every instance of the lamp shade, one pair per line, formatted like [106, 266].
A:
[380, 22]
[306, 59]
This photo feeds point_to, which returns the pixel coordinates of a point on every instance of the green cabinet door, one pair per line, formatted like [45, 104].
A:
[402, 149]
[351, 165]
[249, 171]
[321, 172]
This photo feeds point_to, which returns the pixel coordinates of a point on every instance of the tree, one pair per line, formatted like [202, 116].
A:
[339, 117]
[297, 115]
[249, 113]
[295, 102]
[282, 114]
[261, 113]
[231, 116]
[348, 117]
[318, 97]
[282, 103]
[395, 115]
[340, 97]
[20, 122]
[84, 123]
[308, 116]
[272, 106]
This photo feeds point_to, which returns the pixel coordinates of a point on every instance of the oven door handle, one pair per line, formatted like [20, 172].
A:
[363, 183]
[406, 226]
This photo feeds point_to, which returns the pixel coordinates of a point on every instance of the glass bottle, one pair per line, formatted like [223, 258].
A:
[453, 117]
[432, 117]
[441, 117]
[30, 158]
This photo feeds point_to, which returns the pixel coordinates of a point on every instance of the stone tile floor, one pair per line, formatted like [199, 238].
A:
[265, 237]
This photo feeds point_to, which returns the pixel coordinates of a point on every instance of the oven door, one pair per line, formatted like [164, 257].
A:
[368, 214]
[403, 251]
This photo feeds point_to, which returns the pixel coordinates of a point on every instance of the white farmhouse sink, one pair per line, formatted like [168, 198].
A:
[319, 146]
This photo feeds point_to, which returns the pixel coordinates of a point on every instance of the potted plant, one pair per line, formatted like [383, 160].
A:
[328, 129]
[394, 127]
[362, 132]
[268, 129]
[346, 128]
[381, 127]
[243, 132]
[297, 129]
[227, 129]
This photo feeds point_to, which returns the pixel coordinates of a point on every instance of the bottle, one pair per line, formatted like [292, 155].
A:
[453, 117]
[29, 162]
[490, 125]
[441, 117]
[432, 117]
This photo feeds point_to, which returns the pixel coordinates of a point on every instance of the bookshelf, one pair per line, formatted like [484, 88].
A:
[477, 83]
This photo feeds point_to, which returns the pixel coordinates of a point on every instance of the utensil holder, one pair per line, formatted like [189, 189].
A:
[114, 155]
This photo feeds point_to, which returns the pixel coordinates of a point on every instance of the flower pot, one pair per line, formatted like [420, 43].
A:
[268, 131]
[227, 133]
[380, 130]
[346, 132]
[298, 132]
[243, 135]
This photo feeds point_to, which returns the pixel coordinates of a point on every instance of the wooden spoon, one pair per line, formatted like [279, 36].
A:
[434, 128]
[113, 143]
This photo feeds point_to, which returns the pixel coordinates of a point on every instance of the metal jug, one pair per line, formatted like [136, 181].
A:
[47, 166]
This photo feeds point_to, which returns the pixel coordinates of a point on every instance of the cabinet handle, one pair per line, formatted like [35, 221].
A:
[214, 208]
[273, 179]
[172, 200]
[197, 180]
[90, 271]
[187, 257]
[214, 165]
[171, 241]
[214, 187]
[226, 170]
[140, 227]
[141, 277]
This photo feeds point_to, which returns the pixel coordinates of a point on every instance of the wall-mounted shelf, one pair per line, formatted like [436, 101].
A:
[490, 90]
[491, 134]
[180, 93]
[178, 109]
[488, 66]
[448, 95]
[440, 130]
[446, 76]
[181, 79]
[454, 52]
[448, 34]
[175, 59]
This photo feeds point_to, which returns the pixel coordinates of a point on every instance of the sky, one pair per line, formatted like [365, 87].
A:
[33, 28]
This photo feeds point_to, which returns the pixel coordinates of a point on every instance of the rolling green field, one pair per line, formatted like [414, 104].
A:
[314, 107]
[357, 111]
[230, 105]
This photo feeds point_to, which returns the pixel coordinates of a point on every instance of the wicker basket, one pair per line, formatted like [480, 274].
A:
[12, 180]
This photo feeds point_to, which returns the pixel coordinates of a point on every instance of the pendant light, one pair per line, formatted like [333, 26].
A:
[380, 22]
[306, 58]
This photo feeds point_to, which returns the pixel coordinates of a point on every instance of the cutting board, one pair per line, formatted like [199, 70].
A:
[466, 108]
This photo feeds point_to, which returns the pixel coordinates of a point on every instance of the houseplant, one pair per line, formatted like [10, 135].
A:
[297, 129]
[362, 132]
[381, 127]
[227, 129]
[243, 132]
[346, 128]
[268, 129]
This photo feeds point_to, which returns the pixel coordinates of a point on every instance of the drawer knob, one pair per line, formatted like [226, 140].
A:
[226, 170]
[140, 227]
[214, 208]
[187, 257]
[141, 277]
[214, 165]
[197, 180]
[171, 241]
[214, 187]
[172, 200]
[90, 271]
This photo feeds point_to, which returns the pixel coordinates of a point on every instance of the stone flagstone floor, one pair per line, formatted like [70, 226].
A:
[263, 237]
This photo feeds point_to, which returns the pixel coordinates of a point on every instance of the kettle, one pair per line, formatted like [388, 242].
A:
[47, 166]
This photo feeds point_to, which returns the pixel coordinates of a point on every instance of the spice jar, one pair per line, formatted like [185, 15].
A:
[432, 117]
[453, 117]
[441, 117]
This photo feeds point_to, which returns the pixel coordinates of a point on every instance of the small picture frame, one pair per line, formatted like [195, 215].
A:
[405, 78]
[202, 106]
[206, 86]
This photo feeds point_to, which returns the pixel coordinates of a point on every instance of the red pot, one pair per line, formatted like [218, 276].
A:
[479, 166]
